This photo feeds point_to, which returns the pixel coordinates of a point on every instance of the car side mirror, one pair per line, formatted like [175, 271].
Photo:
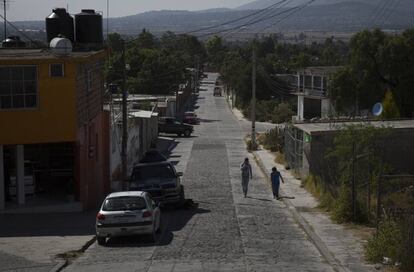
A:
[179, 174]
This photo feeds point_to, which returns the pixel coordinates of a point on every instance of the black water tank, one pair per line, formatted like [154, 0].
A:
[60, 24]
[13, 42]
[88, 26]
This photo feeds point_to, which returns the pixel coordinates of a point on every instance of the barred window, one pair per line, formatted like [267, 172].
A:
[18, 87]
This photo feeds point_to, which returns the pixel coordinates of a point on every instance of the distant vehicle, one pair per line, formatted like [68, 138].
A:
[217, 91]
[127, 213]
[190, 117]
[160, 180]
[173, 126]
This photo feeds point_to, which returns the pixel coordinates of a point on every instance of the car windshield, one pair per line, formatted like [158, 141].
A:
[152, 172]
[124, 203]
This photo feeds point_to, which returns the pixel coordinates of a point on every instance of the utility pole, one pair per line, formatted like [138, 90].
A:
[196, 73]
[124, 123]
[253, 102]
[354, 200]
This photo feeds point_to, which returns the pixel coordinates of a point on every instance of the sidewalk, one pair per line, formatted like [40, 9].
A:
[31, 242]
[337, 243]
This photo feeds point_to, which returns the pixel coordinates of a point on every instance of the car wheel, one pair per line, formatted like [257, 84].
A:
[101, 240]
[153, 235]
[159, 227]
[187, 133]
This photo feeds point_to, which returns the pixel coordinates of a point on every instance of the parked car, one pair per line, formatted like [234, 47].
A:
[190, 117]
[127, 213]
[217, 91]
[173, 126]
[153, 155]
[160, 180]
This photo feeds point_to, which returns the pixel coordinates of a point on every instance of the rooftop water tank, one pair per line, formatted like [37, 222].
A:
[13, 42]
[59, 24]
[89, 30]
[61, 46]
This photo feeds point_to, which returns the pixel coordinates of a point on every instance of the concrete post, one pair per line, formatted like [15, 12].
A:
[312, 83]
[301, 107]
[20, 192]
[2, 180]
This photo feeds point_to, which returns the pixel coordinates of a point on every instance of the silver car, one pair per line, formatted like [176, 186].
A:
[127, 213]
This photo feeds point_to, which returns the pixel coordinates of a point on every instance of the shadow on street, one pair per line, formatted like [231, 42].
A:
[48, 224]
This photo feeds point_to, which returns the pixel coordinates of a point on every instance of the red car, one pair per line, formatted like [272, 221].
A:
[190, 117]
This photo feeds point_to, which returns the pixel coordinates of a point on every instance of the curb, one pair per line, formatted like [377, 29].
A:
[316, 240]
[59, 266]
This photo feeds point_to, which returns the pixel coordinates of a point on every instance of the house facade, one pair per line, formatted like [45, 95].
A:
[54, 130]
[313, 87]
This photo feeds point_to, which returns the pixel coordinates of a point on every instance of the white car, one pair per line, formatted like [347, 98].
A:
[127, 213]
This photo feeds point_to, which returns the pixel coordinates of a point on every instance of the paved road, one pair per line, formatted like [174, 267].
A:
[227, 232]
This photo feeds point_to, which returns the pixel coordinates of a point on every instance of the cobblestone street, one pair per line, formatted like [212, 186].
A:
[227, 232]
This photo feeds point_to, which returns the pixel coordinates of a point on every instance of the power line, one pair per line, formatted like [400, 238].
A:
[264, 16]
[393, 9]
[258, 20]
[299, 8]
[239, 19]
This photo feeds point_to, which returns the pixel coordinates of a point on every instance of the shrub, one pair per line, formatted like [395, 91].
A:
[342, 211]
[282, 113]
[386, 243]
[272, 140]
[251, 146]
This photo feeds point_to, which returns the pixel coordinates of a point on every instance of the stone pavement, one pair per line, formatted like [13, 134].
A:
[338, 244]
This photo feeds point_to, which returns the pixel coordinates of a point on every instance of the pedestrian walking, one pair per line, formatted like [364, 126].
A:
[275, 178]
[246, 171]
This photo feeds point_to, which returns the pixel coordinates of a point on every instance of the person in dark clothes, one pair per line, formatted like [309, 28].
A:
[275, 177]
[246, 171]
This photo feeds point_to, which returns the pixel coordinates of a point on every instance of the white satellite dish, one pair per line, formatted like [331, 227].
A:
[377, 109]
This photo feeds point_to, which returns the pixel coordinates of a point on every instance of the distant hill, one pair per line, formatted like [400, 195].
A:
[323, 16]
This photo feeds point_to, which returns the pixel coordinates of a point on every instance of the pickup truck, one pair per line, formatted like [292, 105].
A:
[173, 126]
[160, 180]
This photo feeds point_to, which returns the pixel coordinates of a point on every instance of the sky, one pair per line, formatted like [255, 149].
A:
[24, 10]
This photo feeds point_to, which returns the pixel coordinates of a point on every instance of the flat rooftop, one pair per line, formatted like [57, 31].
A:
[312, 128]
[320, 69]
[14, 53]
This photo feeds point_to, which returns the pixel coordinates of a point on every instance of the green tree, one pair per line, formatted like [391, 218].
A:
[390, 107]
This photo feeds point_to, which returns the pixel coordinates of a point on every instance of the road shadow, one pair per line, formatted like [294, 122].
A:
[209, 121]
[261, 199]
[47, 224]
[172, 220]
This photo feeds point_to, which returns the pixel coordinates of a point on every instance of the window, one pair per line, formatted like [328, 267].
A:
[56, 70]
[18, 87]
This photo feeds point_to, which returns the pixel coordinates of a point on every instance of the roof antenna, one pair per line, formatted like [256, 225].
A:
[5, 2]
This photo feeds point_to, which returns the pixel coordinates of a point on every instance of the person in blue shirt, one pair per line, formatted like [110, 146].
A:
[275, 177]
